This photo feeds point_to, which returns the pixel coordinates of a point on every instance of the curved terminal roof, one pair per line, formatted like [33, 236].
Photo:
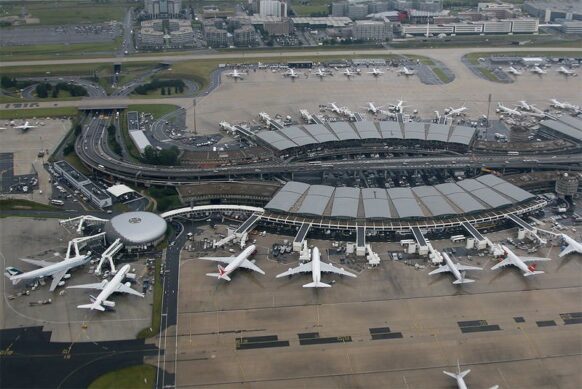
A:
[297, 136]
[136, 228]
[423, 202]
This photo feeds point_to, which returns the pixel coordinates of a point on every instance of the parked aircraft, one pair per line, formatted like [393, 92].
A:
[510, 258]
[316, 267]
[455, 111]
[26, 126]
[572, 246]
[107, 289]
[407, 72]
[514, 71]
[564, 105]
[372, 108]
[335, 109]
[457, 269]
[398, 108]
[460, 377]
[236, 75]
[234, 263]
[57, 270]
[321, 73]
[524, 105]
[566, 72]
[376, 72]
[348, 73]
[507, 110]
[291, 74]
[537, 70]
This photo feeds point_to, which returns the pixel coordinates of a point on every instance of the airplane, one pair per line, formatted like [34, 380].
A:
[398, 108]
[457, 269]
[236, 75]
[320, 73]
[376, 72]
[572, 246]
[537, 70]
[510, 258]
[564, 105]
[514, 71]
[372, 108]
[566, 72]
[524, 105]
[25, 126]
[335, 109]
[455, 111]
[316, 267]
[460, 377]
[107, 289]
[507, 110]
[291, 74]
[234, 263]
[57, 270]
[348, 73]
[406, 71]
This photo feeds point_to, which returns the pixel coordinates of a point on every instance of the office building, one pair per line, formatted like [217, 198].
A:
[370, 30]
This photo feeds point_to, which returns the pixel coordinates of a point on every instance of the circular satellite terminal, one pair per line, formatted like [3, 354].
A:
[136, 228]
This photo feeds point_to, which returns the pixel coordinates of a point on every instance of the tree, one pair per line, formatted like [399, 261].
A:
[41, 91]
[77, 129]
[163, 91]
[69, 149]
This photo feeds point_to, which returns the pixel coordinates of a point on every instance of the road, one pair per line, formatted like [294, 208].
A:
[91, 148]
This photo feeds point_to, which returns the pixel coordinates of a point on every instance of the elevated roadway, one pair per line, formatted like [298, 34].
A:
[92, 149]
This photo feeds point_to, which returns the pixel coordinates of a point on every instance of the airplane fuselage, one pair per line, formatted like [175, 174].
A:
[112, 285]
[316, 266]
[239, 259]
[51, 269]
[452, 266]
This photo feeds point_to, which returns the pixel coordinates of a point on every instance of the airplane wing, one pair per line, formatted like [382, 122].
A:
[97, 285]
[566, 251]
[227, 260]
[306, 267]
[534, 259]
[441, 269]
[249, 265]
[462, 267]
[505, 262]
[57, 277]
[122, 288]
[329, 268]
[37, 262]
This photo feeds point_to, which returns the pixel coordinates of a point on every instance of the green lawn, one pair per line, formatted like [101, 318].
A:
[157, 110]
[134, 377]
[17, 53]
[488, 74]
[154, 329]
[17, 204]
[440, 74]
[37, 112]
[76, 162]
[68, 11]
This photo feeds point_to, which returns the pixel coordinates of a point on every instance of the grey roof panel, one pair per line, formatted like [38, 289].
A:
[353, 193]
[414, 130]
[438, 132]
[424, 191]
[449, 188]
[512, 191]
[390, 130]
[345, 207]
[316, 201]
[321, 190]
[470, 185]
[367, 130]
[276, 140]
[298, 136]
[562, 128]
[287, 197]
[320, 132]
[438, 205]
[465, 202]
[400, 193]
[490, 197]
[490, 180]
[407, 207]
[374, 193]
[343, 131]
[294, 186]
[462, 135]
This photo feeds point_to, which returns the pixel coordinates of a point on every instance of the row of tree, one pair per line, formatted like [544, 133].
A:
[167, 157]
[11, 82]
[156, 83]
[43, 90]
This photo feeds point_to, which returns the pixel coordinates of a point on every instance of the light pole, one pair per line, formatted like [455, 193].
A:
[194, 106]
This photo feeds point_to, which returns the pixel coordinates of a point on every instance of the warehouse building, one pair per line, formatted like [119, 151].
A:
[83, 184]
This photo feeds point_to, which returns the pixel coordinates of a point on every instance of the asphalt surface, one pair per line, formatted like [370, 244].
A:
[31, 360]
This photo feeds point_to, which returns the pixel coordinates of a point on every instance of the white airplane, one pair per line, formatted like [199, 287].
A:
[348, 73]
[372, 108]
[537, 70]
[566, 72]
[376, 72]
[407, 72]
[564, 105]
[398, 108]
[524, 105]
[25, 126]
[107, 289]
[320, 73]
[507, 110]
[234, 263]
[510, 258]
[316, 267]
[455, 111]
[572, 246]
[57, 270]
[457, 269]
[236, 75]
[335, 109]
[460, 377]
[291, 74]
[514, 71]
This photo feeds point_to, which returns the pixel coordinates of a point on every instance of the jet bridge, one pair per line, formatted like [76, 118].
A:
[531, 231]
[482, 242]
[300, 237]
[108, 255]
[247, 226]
[358, 117]
[360, 241]
[75, 244]
[82, 220]
[420, 240]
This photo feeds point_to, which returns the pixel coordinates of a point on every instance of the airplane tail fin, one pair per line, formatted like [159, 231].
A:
[220, 275]
[10, 272]
[92, 307]
[317, 285]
